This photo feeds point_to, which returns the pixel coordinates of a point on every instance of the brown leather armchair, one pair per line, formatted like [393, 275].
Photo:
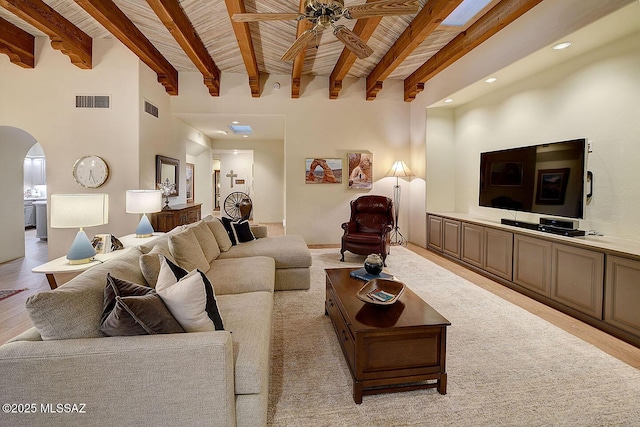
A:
[368, 230]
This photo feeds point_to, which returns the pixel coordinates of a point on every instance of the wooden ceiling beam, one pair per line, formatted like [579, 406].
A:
[243, 36]
[298, 62]
[17, 44]
[180, 27]
[489, 24]
[64, 36]
[364, 29]
[425, 22]
[117, 23]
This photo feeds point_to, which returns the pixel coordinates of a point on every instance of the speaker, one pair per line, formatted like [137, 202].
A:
[560, 223]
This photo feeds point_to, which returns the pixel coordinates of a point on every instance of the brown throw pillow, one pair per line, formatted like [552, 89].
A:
[207, 241]
[132, 309]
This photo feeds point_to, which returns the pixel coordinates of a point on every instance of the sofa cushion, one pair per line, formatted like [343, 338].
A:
[190, 298]
[289, 251]
[207, 241]
[74, 310]
[132, 309]
[220, 233]
[242, 231]
[186, 250]
[249, 317]
[240, 275]
[150, 263]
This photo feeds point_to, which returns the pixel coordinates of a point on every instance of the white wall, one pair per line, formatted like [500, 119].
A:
[241, 164]
[317, 127]
[42, 103]
[268, 188]
[595, 96]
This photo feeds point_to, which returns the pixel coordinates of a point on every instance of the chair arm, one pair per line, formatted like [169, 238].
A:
[349, 227]
[173, 379]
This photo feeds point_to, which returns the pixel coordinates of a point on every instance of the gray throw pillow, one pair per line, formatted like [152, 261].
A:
[132, 309]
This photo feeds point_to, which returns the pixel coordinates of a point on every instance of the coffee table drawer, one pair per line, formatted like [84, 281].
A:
[342, 331]
[399, 355]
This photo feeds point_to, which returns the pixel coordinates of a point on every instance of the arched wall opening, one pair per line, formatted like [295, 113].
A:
[14, 146]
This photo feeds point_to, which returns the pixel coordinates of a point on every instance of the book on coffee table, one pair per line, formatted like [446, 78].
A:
[362, 274]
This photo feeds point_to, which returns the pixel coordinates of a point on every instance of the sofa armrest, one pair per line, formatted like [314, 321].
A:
[349, 227]
[260, 231]
[175, 379]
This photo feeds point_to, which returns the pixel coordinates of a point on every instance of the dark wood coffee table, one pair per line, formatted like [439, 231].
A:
[392, 348]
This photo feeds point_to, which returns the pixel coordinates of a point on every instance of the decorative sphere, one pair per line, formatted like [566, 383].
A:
[373, 264]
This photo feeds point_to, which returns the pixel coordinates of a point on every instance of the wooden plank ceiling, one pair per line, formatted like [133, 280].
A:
[199, 36]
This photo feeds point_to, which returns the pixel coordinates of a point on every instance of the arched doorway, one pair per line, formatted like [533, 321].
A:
[14, 146]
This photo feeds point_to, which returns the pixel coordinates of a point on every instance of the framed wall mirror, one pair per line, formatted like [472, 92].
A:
[168, 168]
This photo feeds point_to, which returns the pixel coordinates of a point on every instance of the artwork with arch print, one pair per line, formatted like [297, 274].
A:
[323, 171]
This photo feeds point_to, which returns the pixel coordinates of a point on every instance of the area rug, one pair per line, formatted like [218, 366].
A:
[6, 293]
[506, 367]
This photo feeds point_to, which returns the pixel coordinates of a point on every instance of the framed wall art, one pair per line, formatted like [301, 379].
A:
[360, 170]
[190, 171]
[323, 171]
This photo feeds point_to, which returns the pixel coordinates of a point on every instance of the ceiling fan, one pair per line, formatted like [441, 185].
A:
[324, 14]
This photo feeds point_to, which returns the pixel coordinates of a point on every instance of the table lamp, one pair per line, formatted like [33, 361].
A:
[399, 169]
[144, 202]
[79, 211]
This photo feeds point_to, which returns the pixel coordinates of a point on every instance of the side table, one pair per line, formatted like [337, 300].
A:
[61, 265]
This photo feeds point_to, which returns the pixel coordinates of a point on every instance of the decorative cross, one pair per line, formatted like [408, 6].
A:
[231, 175]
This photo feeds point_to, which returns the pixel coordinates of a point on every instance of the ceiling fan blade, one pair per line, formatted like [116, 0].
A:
[300, 43]
[352, 41]
[252, 17]
[382, 8]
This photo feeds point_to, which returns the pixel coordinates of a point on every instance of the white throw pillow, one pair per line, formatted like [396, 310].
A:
[190, 298]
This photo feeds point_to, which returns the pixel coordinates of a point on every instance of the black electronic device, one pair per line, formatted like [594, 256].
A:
[561, 223]
[544, 179]
[562, 231]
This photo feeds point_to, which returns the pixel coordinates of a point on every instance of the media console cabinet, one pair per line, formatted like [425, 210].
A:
[595, 279]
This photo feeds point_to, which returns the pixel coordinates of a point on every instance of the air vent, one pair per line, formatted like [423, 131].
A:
[150, 108]
[93, 101]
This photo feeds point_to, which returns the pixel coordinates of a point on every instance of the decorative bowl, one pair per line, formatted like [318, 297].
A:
[388, 286]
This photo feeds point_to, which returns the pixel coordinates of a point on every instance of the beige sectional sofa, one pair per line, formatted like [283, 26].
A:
[65, 371]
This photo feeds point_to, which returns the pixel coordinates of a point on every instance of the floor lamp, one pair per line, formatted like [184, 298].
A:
[399, 169]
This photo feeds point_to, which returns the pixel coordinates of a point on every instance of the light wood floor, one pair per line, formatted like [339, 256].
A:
[17, 274]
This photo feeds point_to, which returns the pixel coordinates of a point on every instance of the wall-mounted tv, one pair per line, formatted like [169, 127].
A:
[546, 178]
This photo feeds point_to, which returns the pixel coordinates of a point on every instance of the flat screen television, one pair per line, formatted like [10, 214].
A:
[545, 179]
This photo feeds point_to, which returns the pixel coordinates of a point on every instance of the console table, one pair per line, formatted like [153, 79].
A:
[595, 279]
[168, 219]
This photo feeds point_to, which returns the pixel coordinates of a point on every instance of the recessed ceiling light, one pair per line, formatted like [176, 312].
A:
[561, 46]
[245, 136]
[448, 100]
[235, 122]
[491, 80]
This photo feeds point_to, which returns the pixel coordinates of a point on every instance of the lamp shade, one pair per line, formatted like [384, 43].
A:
[79, 210]
[143, 201]
[400, 169]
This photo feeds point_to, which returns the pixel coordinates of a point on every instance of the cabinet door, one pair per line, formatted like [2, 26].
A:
[532, 263]
[472, 244]
[451, 237]
[434, 232]
[577, 279]
[39, 171]
[622, 307]
[498, 252]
